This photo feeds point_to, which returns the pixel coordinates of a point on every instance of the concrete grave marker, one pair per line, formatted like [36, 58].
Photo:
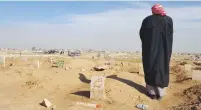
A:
[188, 70]
[141, 70]
[38, 64]
[2, 60]
[97, 90]
[196, 75]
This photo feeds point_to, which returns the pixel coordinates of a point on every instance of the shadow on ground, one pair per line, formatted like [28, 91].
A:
[41, 104]
[83, 78]
[138, 87]
[82, 93]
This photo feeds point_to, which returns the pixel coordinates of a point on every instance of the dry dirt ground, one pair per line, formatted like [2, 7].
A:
[23, 86]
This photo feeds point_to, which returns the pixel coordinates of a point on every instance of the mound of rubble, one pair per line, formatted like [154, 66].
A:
[179, 73]
[197, 63]
[192, 98]
[193, 94]
[176, 69]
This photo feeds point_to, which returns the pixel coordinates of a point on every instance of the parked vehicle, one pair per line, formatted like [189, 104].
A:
[51, 52]
[73, 53]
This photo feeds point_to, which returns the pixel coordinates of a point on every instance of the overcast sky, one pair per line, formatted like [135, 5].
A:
[95, 25]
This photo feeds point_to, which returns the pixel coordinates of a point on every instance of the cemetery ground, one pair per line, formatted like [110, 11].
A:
[23, 85]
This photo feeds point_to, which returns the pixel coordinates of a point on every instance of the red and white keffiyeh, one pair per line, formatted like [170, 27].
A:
[158, 9]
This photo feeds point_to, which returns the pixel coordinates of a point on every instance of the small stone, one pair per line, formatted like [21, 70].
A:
[67, 68]
[82, 69]
[46, 103]
[11, 64]
[54, 108]
[97, 88]
[122, 64]
[100, 68]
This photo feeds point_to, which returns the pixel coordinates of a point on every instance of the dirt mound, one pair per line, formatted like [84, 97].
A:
[179, 73]
[192, 98]
[182, 63]
[31, 83]
[81, 64]
[193, 94]
[197, 68]
[175, 69]
[182, 77]
[197, 63]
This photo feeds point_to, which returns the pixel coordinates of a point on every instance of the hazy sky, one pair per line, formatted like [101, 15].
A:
[95, 25]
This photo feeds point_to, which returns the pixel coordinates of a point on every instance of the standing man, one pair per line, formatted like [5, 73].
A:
[156, 35]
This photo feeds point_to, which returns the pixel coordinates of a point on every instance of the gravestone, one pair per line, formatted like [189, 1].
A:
[196, 75]
[141, 70]
[97, 90]
[2, 60]
[38, 64]
[188, 70]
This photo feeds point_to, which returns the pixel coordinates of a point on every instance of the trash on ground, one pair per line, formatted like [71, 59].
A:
[89, 105]
[142, 106]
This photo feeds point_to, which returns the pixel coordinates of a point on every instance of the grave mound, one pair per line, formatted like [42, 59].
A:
[192, 98]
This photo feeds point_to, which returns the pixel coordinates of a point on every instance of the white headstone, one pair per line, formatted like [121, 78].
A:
[196, 75]
[38, 64]
[2, 60]
[188, 68]
[97, 90]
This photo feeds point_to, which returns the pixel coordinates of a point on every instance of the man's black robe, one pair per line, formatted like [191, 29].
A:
[156, 34]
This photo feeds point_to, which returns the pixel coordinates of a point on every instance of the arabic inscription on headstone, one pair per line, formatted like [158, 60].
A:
[97, 90]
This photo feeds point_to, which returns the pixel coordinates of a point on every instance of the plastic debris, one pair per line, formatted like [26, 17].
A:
[142, 106]
[89, 105]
